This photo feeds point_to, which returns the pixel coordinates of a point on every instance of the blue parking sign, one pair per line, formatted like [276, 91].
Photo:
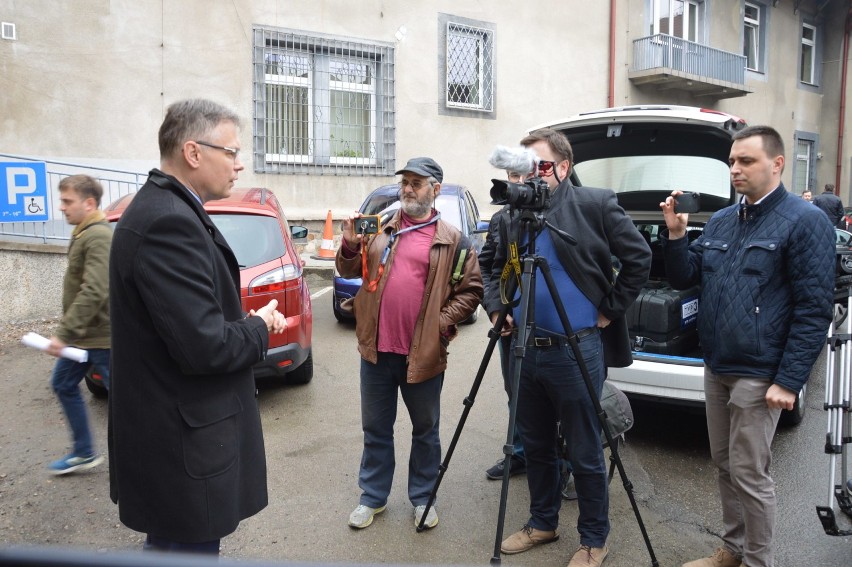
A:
[23, 192]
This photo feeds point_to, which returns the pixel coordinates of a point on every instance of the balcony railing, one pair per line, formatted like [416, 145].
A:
[694, 67]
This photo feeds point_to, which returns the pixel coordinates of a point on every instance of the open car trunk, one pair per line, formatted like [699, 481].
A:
[643, 158]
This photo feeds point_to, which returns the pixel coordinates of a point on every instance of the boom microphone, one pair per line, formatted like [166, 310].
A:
[519, 160]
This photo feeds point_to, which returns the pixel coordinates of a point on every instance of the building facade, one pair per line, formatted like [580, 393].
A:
[336, 95]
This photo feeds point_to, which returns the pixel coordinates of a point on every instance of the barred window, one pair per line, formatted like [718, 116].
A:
[322, 104]
[470, 67]
[804, 167]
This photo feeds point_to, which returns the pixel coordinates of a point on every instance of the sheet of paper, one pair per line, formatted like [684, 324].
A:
[35, 340]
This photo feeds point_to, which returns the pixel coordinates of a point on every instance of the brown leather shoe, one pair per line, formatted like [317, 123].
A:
[720, 558]
[587, 556]
[526, 539]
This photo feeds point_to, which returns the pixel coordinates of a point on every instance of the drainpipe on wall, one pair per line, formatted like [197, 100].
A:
[611, 96]
[842, 118]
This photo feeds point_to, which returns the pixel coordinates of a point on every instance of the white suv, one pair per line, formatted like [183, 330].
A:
[643, 153]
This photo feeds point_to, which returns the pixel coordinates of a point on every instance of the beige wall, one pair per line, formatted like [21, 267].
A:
[104, 98]
[31, 281]
[776, 98]
[90, 79]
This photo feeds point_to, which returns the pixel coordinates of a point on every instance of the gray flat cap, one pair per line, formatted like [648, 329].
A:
[427, 167]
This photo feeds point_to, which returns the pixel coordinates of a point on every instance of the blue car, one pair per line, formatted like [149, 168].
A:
[457, 207]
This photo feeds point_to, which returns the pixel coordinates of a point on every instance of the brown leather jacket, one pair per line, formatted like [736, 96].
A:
[443, 307]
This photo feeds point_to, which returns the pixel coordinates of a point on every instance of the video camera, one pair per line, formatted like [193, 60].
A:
[533, 194]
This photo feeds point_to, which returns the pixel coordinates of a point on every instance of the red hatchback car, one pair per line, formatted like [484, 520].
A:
[257, 230]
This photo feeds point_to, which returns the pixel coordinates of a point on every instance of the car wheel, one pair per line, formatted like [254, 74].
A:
[343, 309]
[797, 414]
[846, 263]
[340, 318]
[95, 385]
[304, 373]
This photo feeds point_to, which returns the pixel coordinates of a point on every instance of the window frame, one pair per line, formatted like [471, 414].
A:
[758, 27]
[696, 7]
[325, 59]
[488, 75]
[350, 87]
[484, 68]
[812, 44]
[299, 83]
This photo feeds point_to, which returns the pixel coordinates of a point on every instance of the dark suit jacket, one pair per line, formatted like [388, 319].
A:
[185, 442]
[830, 205]
[603, 231]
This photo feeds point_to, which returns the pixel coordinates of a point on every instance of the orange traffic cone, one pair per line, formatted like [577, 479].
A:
[326, 250]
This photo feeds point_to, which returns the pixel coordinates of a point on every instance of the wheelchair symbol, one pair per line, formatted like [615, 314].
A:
[34, 207]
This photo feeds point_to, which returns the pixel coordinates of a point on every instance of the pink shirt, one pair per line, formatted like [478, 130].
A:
[406, 283]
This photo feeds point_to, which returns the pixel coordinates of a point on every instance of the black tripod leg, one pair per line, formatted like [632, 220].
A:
[468, 402]
[575, 347]
[521, 324]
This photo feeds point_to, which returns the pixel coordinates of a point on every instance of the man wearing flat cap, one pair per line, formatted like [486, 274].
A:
[406, 312]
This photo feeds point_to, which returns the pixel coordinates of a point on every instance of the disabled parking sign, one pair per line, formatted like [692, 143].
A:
[23, 192]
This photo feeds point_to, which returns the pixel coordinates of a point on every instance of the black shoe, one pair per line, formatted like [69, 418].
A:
[496, 472]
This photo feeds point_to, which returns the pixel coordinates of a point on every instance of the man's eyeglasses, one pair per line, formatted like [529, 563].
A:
[234, 153]
[416, 184]
[545, 168]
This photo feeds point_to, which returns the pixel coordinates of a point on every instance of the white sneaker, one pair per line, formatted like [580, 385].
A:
[431, 517]
[362, 516]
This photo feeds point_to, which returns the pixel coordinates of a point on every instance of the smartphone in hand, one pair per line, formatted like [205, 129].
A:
[368, 224]
[688, 202]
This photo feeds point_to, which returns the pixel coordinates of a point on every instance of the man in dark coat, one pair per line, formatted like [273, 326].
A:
[186, 453]
[830, 204]
[552, 387]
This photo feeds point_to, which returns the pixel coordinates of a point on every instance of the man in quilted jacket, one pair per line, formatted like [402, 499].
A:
[766, 267]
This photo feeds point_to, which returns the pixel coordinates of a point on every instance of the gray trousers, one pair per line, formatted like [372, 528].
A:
[741, 427]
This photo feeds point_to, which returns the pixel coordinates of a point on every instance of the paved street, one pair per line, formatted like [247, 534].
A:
[313, 449]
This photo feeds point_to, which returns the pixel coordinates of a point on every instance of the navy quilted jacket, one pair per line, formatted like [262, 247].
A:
[767, 277]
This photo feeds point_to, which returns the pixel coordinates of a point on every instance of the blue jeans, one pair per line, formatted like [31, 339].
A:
[552, 389]
[379, 385]
[66, 378]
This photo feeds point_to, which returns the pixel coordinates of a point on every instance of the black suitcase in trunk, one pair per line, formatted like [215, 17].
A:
[663, 320]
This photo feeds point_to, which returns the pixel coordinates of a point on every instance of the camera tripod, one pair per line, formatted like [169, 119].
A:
[838, 393]
[531, 222]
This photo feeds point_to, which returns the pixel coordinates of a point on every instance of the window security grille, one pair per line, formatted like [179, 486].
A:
[804, 162]
[470, 67]
[322, 105]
